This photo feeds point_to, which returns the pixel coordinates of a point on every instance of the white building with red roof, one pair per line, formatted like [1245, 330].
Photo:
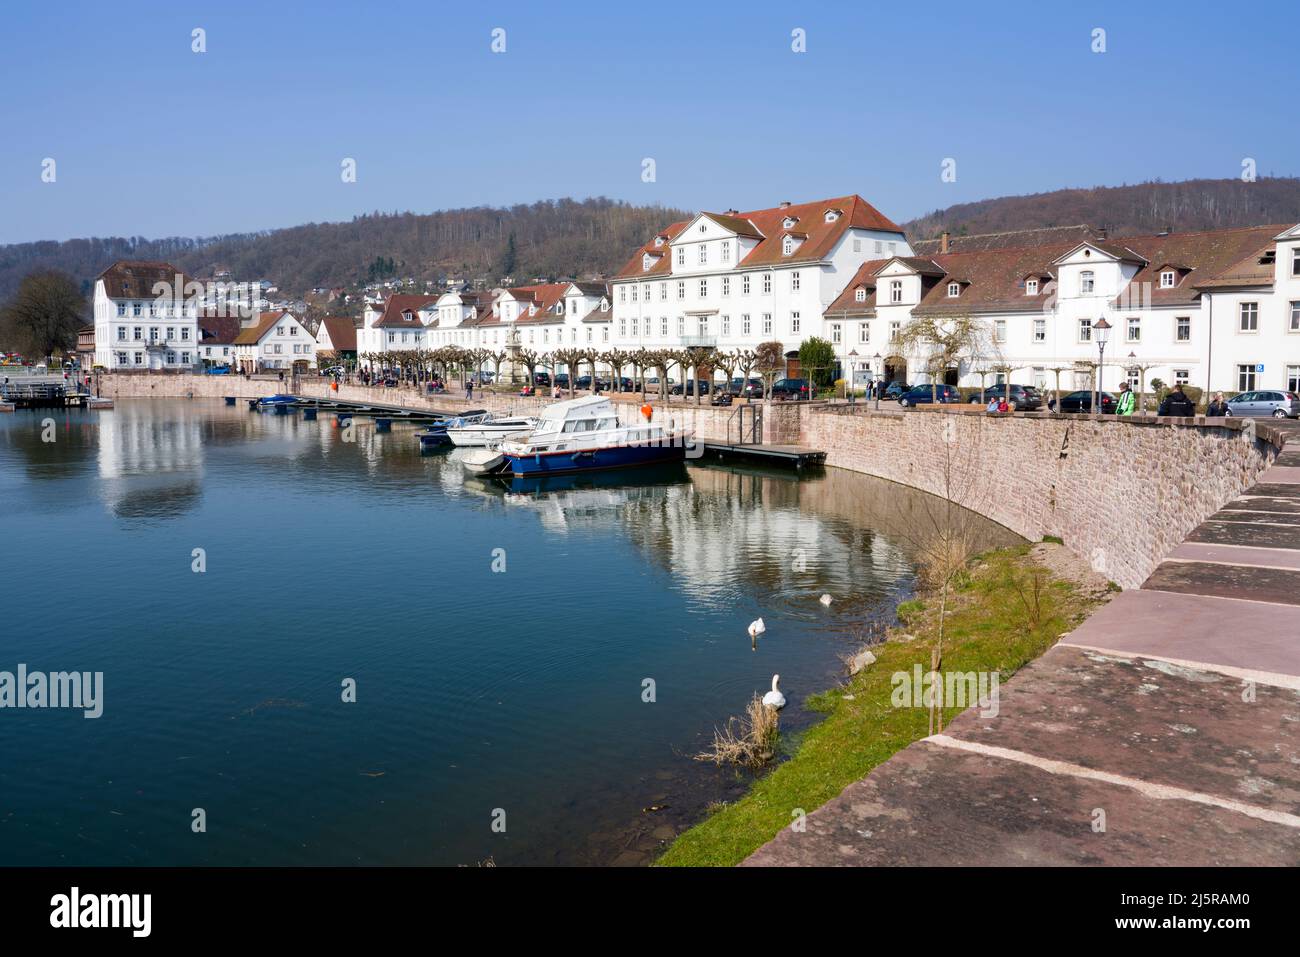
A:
[146, 317]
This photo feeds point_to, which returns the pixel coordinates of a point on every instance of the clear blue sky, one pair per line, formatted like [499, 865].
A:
[151, 139]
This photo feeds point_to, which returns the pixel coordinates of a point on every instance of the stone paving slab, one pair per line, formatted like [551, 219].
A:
[1238, 555]
[1281, 475]
[1156, 722]
[1278, 585]
[1261, 503]
[1274, 490]
[933, 805]
[1220, 632]
[1237, 533]
[1257, 517]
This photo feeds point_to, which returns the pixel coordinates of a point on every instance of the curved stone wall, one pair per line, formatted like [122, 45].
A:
[1123, 493]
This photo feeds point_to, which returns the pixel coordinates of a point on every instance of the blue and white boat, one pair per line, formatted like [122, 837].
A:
[272, 400]
[583, 435]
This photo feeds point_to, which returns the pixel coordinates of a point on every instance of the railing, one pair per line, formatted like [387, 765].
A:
[742, 432]
[699, 342]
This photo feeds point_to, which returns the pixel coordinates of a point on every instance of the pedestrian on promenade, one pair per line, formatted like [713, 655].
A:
[1177, 404]
[993, 404]
[469, 388]
[1218, 407]
[1126, 400]
[1002, 405]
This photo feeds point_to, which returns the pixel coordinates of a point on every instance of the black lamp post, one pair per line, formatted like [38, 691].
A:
[853, 368]
[1102, 331]
[878, 375]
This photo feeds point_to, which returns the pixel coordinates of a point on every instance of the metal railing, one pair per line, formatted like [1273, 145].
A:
[742, 432]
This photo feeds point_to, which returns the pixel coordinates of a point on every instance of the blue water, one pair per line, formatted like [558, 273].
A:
[478, 691]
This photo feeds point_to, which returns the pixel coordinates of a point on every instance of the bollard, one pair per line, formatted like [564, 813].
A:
[309, 415]
[282, 409]
[383, 425]
[230, 400]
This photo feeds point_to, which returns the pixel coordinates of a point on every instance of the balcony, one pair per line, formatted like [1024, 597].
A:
[699, 342]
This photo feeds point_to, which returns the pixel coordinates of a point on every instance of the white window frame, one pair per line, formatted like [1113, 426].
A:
[896, 290]
[1245, 311]
[954, 290]
[1167, 279]
[860, 295]
[1178, 328]
[1087, 282]
[1084, 330]
[1040, 330]
[1031, 287]
[1133, 329]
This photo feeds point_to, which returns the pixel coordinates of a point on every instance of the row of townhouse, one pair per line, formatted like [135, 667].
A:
[148, 316]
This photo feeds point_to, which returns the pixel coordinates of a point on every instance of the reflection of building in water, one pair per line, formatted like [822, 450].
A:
[150, 462]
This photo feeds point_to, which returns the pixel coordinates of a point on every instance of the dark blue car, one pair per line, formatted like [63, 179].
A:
[922, 394]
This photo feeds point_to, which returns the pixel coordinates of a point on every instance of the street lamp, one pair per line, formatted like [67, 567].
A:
[1102, 330]
[878, 376]
[853, 368]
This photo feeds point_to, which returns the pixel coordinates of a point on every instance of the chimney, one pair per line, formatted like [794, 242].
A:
[785, 204]
[1103, 233]
[944, 237]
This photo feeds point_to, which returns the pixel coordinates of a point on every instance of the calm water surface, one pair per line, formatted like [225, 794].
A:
[477, 690]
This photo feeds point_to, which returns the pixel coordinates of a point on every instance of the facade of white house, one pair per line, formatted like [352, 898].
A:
[275, 341]
[142, 319]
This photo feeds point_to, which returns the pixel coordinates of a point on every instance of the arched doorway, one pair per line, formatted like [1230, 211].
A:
[895, 369]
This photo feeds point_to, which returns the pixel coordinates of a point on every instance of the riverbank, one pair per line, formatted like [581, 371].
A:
[993, 625]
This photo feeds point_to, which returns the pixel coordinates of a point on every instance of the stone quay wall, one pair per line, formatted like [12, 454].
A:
[1122, 493]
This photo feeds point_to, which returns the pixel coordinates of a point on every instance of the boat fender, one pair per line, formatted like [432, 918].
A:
[648, 411]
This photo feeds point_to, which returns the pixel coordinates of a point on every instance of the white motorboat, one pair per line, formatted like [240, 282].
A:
[483, 461]
[480, 431]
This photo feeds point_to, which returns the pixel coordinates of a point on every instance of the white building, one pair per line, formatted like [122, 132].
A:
[734, 280]
[1217, 310]
[275, 341]
[399, 324]
[144, 318]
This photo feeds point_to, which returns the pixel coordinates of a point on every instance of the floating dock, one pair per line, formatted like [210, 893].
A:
[796, 456]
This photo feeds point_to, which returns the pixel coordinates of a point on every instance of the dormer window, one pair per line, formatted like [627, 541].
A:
[860, 294]
[659, 241]
[787, 246]
[954, 290]
[788, 222]
[646, 262]
[1167, 279]
[1031, 287]
[832, 215]
[407, 315]
[1087, 282]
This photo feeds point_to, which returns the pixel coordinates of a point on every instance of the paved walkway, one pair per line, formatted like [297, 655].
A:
[1165, 730]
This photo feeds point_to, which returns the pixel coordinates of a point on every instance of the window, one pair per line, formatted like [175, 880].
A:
[726, 252]
[647, 327]
[704, 325]
[663, 327]
[185, 334]
[744, 285]
[860, 295]
[622, 330]
[121, 359]
[663, 292]
[744, 324]
[681, 289]
[704, 289]
[604, 334]
[1133, 376]
[135, 309]
[681, 255]
[767, 323]
[767, 282]
[895, 330]
[880, 248]
[787, 246]
[1183, 329]
[1040, 330]
[1134, 329]
[999, 330]
[954, 290]
[153, 333]
[794, 322]
[836, 335]
[1182, 376]
[794, 281]
[1294, 325]
[121, 309]
[1245, 378]
[293, 330]
[1295, 261]
[726, 285]
[857, 245]
[681, 325]
[1167, 279]
[1293, 378]
[1087, 282]
[634, 293]
[896, 290]
[185, 358]
[171, 332]
[121, 333]
[704, 254]
[171, 358]
[622, 294]
[726, 325]
[1249, 321]
[1031, 287]
[139, 358]
[864, 332]
[1085, 330]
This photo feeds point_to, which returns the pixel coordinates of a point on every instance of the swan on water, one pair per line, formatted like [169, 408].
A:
[774, 698]
[756, 627]
[826, 599]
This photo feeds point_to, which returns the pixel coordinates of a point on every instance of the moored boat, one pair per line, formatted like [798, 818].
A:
[582, 435]
[487, 429]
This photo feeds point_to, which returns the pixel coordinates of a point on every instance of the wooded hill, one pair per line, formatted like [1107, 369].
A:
[1146, 208]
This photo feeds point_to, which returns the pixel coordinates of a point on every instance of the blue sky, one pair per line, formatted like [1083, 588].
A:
[151, 139]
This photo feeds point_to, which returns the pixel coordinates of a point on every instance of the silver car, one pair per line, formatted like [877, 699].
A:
[1280, 405]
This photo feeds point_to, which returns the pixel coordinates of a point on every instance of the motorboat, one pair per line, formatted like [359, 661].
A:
[487, 429]
[484, 461]
[272, 400]
[581, 435]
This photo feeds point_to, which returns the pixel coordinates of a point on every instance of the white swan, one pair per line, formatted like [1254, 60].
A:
[774, 698]
[756, 627]
[826, 599]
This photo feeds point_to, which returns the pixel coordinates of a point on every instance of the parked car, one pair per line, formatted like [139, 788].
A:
[653, 382]
[924, 394]
[541, 378]
[562, 379]
[331, 370]
[791, 389]
[217, 370]
[1022, 398]
[1280, 405]
[625, 384]
[584, 382]
[895, 389]
[690, 387]
[746, 388]
[1081, 401]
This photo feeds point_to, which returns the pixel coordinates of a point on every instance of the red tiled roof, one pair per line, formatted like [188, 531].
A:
[218, 330]
[251, 335]
[397, 304]
[342, 333]
[846, 303]
[134, 279]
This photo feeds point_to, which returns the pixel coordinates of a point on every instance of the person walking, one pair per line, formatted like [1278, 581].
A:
[1218, 407]
[469, 388]
[1177, 404]
[1127, 400]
